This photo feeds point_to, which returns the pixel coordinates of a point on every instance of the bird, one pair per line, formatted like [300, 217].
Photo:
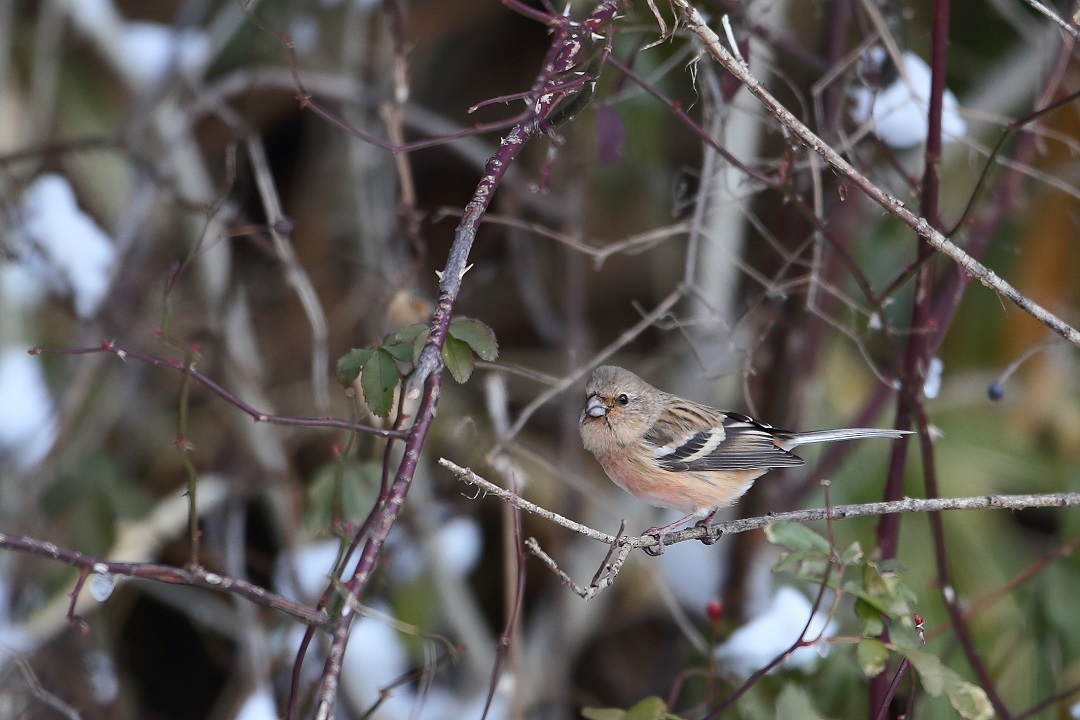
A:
[678, 454]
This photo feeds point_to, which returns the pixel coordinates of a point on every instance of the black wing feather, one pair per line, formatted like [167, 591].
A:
[747, 445]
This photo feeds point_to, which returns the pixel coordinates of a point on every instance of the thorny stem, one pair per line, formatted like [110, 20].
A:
[570, 40]
[566, 47]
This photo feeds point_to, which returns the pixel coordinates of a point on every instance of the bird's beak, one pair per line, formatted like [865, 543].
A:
[595, 407]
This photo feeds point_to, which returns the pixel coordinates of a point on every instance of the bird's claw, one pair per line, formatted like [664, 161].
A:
[658, 549]
[709, 538]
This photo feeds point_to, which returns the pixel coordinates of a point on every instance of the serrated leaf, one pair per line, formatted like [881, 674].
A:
[795, 703]
[350, 364]
[409, 333]
[872, 656]
[458, 357]
[968, 699]
[400, 344]
[796, 536]
[400, 350]
[476, 335]
[379, 379]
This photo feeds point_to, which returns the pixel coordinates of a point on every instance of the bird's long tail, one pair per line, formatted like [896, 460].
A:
[790, 440]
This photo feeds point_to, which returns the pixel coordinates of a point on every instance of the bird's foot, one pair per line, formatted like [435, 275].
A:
[658, 549]
[706, 522]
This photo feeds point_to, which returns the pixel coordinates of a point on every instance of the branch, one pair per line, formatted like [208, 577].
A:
[188, 368]
[168, 574]
[733, 527]
[1054, 17]
[295, 274]
[891, 204]
[568, 43]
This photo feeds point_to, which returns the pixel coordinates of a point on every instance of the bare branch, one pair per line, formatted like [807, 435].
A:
[168, 574]
[1054, 17]
[891, 204]
[732, 527]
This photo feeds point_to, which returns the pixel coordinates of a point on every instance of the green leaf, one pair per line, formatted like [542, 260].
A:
[795, 703]
[806, 565]
[350, 364]
[872, 656]
[892, 565]
[603, 713]
[931, 671]
[458, 357]
[418, 344]
[409, 333]
[966, 698]
[349, 487]
[852, 555]
[796, 537]
[476, 335]
[401, 343]
[400, 350]
[379, 379]
[651, 708]
[971, 701]
[869, 617]
[903, 636]
[884, 590]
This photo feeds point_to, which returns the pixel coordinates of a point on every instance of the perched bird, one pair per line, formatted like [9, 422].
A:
[675, 453]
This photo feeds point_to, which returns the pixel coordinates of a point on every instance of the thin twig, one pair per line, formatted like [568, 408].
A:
[168, 574]
[569, 39]
[891, 204]
[212, 385]
[567, 382]
[295, 273]
[1054, 17]
[731, 527]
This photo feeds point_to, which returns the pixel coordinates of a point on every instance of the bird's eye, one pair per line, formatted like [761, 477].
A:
[623, 399]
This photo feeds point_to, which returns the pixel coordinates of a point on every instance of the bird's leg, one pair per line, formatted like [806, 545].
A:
[659, 532]
[706, 522]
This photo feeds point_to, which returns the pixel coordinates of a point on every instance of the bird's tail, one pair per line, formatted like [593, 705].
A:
[790, 440]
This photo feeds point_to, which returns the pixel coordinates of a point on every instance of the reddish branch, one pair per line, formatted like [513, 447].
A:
[571, 42]
[188, 367]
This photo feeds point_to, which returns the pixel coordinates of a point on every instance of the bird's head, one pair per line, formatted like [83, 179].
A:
[619, 408]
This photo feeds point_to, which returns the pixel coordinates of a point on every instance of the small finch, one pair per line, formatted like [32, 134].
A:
[675, 453]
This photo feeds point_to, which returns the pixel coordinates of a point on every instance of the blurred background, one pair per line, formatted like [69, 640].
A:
[163, 187]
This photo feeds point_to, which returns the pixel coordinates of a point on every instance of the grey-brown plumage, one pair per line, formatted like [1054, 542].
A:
[675, 453]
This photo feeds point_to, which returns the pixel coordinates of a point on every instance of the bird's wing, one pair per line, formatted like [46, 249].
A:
[696, 438]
